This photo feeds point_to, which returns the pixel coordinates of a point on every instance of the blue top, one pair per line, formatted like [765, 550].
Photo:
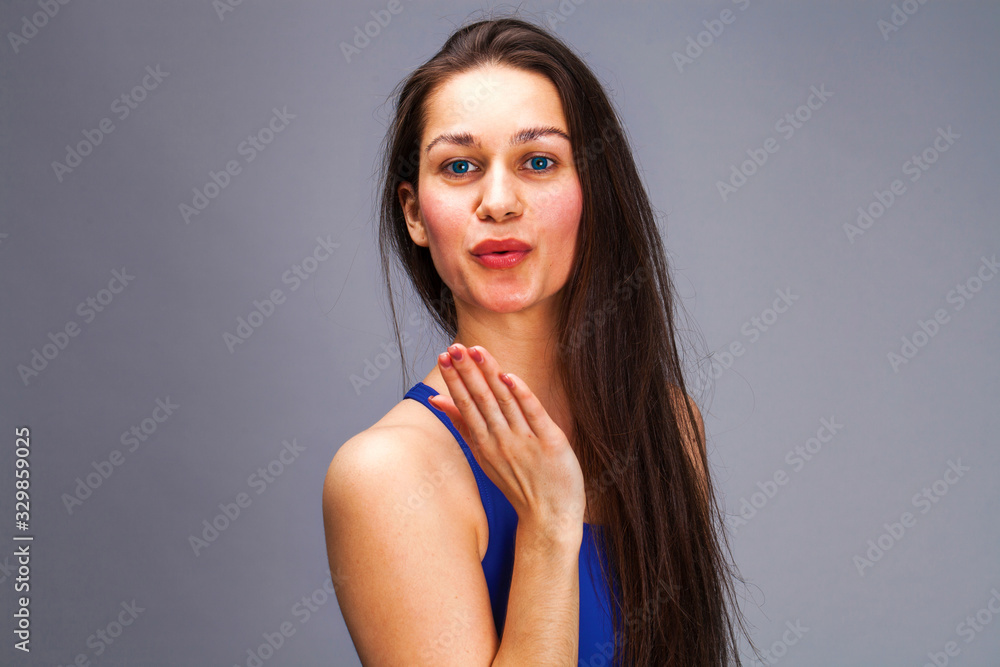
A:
[596, 632]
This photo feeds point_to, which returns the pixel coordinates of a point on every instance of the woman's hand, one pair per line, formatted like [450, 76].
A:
[514, 440]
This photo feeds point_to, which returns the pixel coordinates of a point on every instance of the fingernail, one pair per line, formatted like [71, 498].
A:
[476, 355]
[445, 360]
[456, 352]
[507, 380]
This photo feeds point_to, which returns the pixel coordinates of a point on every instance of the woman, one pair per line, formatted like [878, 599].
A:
[575, 520]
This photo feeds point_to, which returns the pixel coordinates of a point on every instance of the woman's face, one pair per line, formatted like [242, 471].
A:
[500, 166]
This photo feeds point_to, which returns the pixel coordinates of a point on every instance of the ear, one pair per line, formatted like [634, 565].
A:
[411, 211]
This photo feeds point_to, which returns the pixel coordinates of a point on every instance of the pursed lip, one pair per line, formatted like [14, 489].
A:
[500, 245]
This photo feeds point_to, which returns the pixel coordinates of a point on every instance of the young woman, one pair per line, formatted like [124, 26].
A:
[544, 497]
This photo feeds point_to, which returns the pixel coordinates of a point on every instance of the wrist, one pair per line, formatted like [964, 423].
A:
[550, 537]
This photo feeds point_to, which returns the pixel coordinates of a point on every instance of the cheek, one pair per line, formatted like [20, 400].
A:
[562, 217]
[443, 217]
[438, 211]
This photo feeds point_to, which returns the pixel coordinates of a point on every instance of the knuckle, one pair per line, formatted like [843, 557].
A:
[479, 394]
[507, 401]
[531, 413]
[480, 435]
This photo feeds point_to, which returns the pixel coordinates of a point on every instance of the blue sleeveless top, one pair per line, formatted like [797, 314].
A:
[597, 644]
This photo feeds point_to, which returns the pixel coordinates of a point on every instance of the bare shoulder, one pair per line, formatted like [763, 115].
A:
[384, 453]
[693, 434]
[401, 533]
[406, 450]
[686, 424]
[411, 459]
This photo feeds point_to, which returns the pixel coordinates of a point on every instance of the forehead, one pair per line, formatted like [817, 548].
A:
[493, 103]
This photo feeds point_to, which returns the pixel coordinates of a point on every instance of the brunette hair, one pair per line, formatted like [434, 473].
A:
[664, 532]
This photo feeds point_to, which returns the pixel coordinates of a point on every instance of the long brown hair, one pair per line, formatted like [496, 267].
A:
[618, 359]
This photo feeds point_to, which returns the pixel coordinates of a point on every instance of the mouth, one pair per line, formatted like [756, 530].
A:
[501, 259]
[500, 247]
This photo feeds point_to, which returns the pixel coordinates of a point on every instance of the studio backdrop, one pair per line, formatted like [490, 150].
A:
[193, 320]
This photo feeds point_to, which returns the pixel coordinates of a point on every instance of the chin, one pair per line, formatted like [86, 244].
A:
[507, 301]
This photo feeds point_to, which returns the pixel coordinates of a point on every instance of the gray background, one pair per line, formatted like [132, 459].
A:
[825, 357]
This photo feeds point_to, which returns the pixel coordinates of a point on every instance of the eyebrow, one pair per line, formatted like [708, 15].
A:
[521, 137]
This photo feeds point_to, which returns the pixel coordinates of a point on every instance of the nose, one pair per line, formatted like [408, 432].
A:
[500, 197]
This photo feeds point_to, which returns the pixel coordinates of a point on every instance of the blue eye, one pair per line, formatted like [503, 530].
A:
[539, 162]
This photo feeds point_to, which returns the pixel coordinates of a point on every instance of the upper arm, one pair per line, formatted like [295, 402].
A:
[413, 588]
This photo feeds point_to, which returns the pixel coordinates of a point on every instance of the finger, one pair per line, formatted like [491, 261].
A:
[505, 399]
[463, 400]
[445, 405]
[534, 412]
[479, 390]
